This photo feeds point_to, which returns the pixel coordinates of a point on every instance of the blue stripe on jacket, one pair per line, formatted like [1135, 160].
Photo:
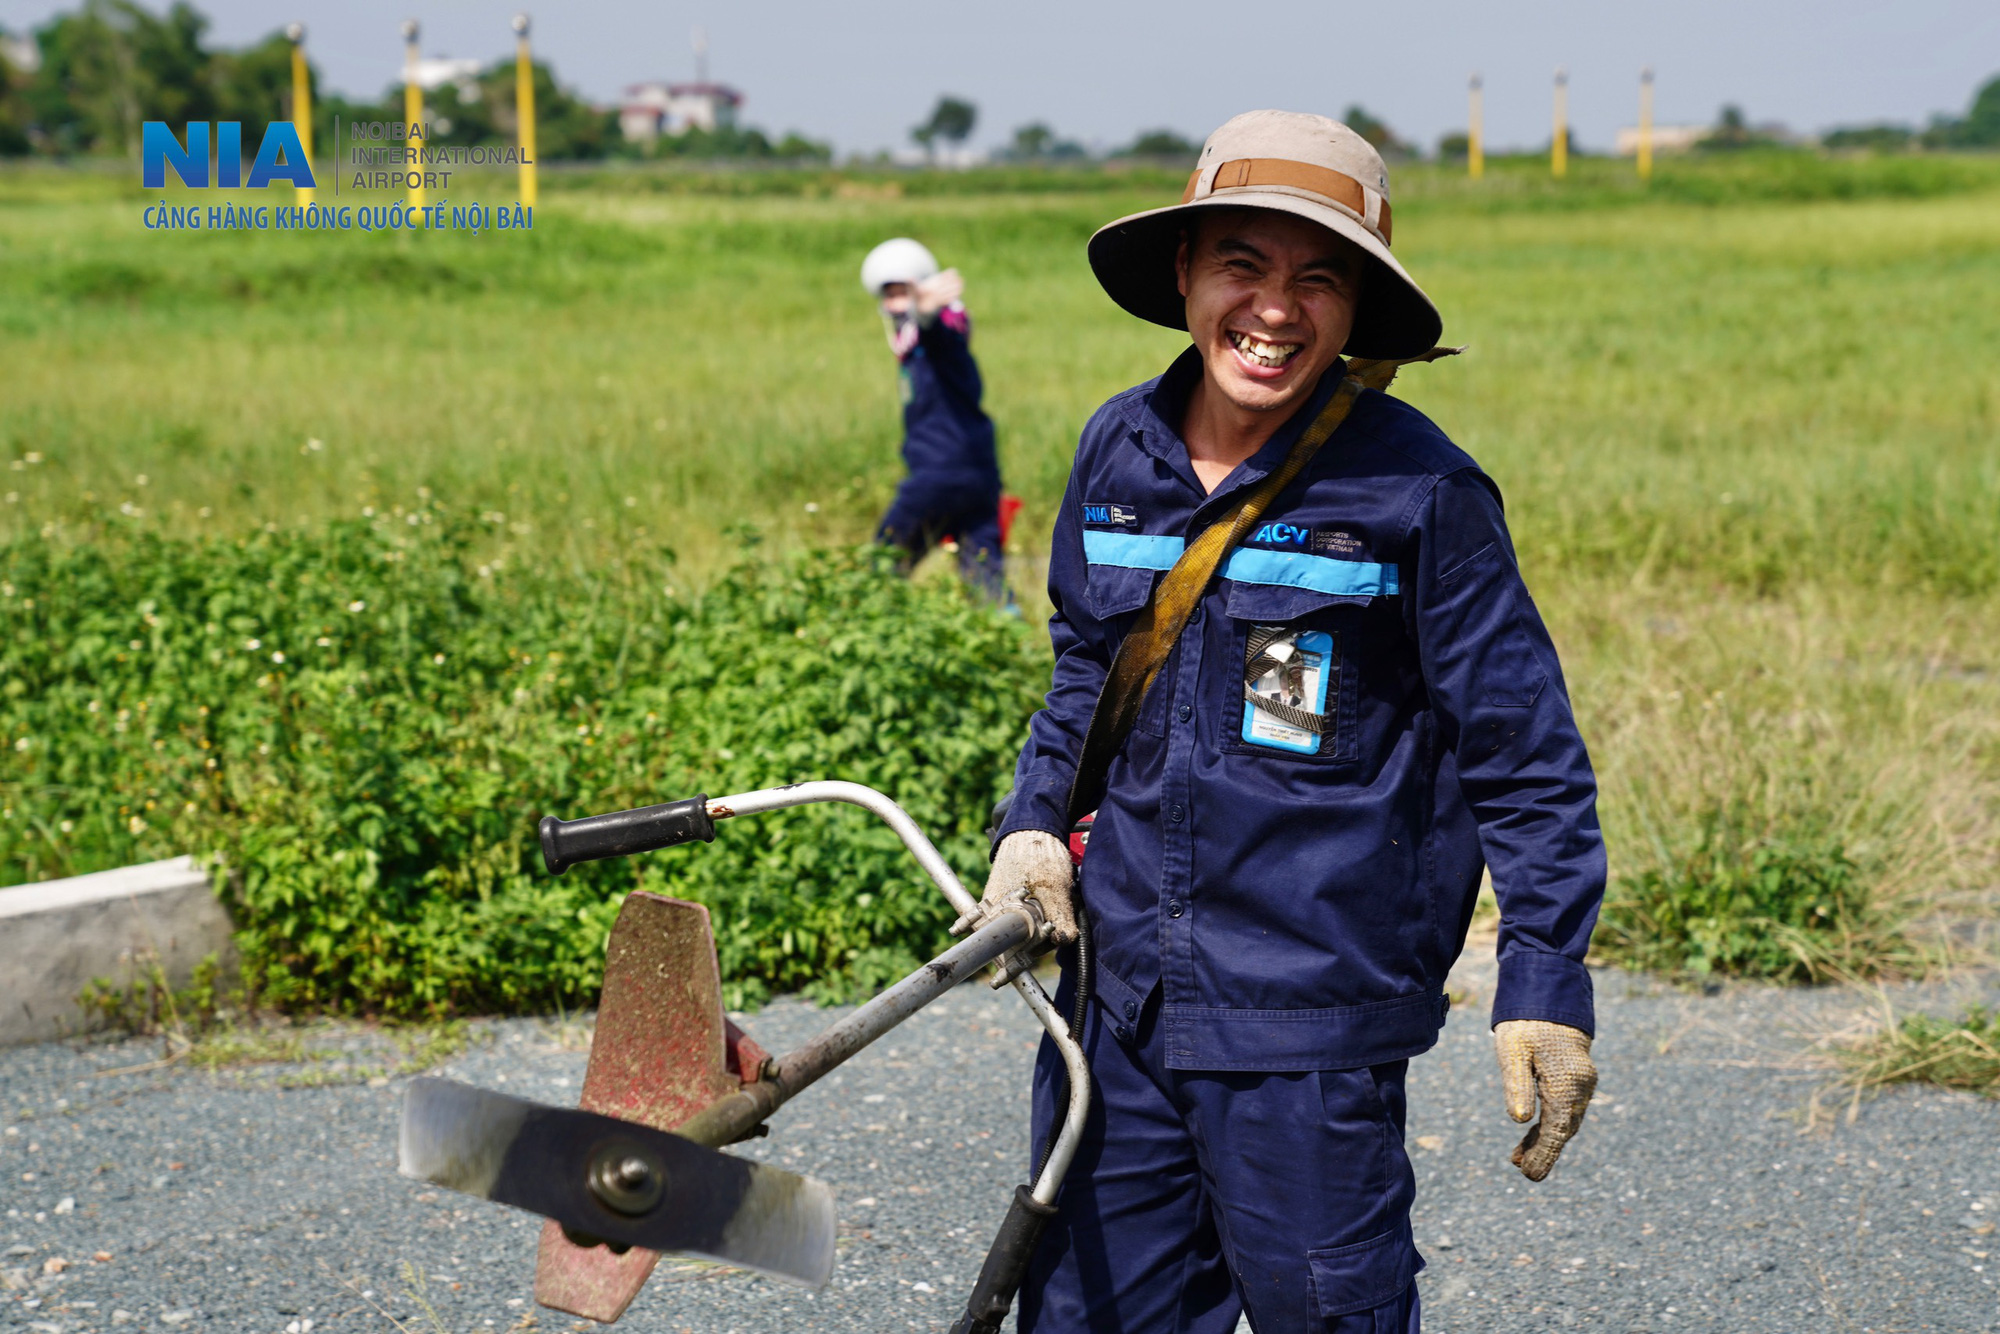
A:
[1248, 565]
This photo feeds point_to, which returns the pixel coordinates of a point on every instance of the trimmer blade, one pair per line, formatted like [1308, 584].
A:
[457, 1136]
[617, 1181]
[659, 1055]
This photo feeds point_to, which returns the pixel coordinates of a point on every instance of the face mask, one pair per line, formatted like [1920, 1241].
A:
[900, 327]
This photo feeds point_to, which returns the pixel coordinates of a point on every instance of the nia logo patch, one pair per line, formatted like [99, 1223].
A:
[1120, 516]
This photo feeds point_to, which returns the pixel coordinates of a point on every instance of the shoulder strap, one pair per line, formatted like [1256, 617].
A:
[1159, 624]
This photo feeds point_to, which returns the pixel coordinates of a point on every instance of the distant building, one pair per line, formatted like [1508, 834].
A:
[1666, 138]
[21, 53]
[654, 108]
[434, 72]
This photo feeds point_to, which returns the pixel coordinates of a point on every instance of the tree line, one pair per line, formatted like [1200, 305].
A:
[85, 81]
[1979, 127]
[952, 120]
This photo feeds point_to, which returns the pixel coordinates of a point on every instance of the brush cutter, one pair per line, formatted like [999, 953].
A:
[637, 1168]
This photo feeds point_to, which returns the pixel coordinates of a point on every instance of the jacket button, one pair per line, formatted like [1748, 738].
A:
[1186, 712]
[1176, 813]
[1194, 618]
[1173, 907]
[1124, 1033]
[1131, 1009]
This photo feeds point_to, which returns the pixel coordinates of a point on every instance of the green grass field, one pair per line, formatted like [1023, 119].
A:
[1746, 424]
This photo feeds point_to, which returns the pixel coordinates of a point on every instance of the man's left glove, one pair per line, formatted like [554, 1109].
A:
[1029, 864]
[1551, 1060]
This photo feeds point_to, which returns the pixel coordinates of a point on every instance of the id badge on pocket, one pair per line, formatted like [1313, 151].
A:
[1285, 687]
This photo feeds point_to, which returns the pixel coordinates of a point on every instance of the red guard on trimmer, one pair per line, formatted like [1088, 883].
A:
[663, 1050]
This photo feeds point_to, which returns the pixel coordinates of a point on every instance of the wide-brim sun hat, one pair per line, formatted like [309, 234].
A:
[1297, 163]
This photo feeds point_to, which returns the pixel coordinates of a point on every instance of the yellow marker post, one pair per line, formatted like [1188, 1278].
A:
[1559, 146]
[302, 109]
[524, 107]
[1646, 123]
[413, 111]
[1475, 135]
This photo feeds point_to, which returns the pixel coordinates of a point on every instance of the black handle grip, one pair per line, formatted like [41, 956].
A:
[1006, 1264]
[621, 833]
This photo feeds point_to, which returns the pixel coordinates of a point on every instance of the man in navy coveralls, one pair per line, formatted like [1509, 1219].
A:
[1364, 712]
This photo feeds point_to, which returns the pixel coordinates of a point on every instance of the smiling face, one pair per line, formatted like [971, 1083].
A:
[1270, 302]
[896, 298]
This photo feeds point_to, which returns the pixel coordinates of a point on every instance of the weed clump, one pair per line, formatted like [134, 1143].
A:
[209, 1026]
[146, 1004]
[1741, 897]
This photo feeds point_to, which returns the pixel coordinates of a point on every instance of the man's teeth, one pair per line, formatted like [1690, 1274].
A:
[1263, 353]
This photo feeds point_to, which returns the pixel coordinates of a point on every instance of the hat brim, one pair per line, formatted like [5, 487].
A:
[1133, 259]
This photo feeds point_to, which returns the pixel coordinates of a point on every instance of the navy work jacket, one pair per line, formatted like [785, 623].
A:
[1300, 909]
[947, 436]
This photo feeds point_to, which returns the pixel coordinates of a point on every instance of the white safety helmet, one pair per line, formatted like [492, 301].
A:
[897, 261]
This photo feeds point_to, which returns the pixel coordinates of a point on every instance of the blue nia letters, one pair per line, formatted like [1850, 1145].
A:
[158, 150]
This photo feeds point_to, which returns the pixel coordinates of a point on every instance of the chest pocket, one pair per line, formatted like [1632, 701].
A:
[1290, 686]
[1115, 591]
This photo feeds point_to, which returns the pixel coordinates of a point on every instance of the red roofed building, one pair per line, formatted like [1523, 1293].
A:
[655, 108]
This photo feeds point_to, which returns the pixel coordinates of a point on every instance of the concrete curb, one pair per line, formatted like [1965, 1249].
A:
[57, 935]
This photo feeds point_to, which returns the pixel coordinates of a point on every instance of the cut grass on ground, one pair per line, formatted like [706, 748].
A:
[1961, 1053]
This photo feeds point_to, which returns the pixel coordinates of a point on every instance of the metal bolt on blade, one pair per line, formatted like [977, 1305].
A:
[625, 1178]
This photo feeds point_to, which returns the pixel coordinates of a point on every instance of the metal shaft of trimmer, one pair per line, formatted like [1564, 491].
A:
[737, 1115]
[941, 874]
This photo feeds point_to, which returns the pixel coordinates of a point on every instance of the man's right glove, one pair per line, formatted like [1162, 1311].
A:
[1552, 1060]
[1029, 864]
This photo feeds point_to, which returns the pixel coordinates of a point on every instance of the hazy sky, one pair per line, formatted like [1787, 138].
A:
[861, 73]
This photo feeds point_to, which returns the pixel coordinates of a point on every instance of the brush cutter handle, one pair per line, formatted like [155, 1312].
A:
[621, 833]
[1006, 1265]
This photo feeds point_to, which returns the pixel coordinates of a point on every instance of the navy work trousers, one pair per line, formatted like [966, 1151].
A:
[924, 512]
[1198, 1194]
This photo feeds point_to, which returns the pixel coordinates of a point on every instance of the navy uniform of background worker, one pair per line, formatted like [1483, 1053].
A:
[953, 487]
[1362, 711]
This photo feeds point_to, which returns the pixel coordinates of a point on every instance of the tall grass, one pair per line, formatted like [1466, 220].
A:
[1745, 420]
[1795, 787]
[1768, 394]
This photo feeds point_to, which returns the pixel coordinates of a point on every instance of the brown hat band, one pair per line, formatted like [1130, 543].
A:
[1336, 187]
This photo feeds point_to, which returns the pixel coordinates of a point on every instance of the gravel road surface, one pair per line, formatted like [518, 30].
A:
[1698, 1197]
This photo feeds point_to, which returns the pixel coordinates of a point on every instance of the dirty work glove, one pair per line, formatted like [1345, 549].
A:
[938, 291]
[1552, 1060]
[1030, 864]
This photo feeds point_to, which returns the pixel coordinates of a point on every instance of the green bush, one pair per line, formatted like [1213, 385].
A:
[1751, 897]
[362, 723]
